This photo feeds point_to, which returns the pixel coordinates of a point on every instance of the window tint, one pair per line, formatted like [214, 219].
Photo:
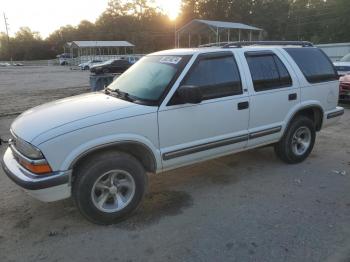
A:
[216, 76]
[314, 64]
[285, 79]
[268, 72]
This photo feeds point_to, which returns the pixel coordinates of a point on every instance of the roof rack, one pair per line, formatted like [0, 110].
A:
[220, 44]
[251, 43]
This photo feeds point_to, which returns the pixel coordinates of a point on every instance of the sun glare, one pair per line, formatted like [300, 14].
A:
[170, 7]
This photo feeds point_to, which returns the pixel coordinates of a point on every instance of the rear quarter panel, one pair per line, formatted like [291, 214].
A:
[326, 94]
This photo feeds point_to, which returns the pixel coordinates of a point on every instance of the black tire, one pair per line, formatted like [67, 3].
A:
[285, 149]
[87, 175]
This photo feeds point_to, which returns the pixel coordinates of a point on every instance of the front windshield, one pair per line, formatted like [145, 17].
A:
[148, 78]
[345, 58]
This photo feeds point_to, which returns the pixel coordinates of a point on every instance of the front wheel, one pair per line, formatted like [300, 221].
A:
[298, 141]
[109, 187]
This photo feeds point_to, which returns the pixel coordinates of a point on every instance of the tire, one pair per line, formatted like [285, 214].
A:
[102, 201]
[297, 142]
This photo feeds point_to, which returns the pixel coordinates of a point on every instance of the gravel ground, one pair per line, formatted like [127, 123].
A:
[244, 207]
[22, 88]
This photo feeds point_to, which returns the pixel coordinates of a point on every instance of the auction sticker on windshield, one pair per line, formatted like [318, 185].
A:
[170, 60]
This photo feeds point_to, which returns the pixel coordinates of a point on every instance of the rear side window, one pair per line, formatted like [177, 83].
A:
[314, 64]
[267, 71]
[216, 76]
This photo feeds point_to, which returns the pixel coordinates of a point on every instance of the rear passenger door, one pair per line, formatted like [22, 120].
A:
[274, 92]
[217, 126]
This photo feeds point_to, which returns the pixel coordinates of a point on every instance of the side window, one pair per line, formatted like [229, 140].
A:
[119, 62]
[267, 71]
[314, 64]
[216, 76]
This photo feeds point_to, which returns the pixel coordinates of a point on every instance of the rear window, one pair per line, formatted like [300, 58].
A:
[314, 64]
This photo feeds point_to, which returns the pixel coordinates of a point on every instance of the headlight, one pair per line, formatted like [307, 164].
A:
[27, 149]
[29, 156]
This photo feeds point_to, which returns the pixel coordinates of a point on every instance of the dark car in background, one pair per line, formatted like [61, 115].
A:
[117, 66]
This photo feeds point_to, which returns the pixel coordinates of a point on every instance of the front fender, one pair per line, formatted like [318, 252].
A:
[61, 151]
[102, 142]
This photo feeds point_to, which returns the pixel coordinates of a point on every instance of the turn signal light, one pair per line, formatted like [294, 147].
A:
[36, 169]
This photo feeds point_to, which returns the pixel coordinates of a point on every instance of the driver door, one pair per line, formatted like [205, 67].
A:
[217, 126]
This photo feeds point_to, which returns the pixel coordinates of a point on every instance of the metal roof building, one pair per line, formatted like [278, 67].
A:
[88, 50]
[216, 31]
[100, 44]
[335, 51]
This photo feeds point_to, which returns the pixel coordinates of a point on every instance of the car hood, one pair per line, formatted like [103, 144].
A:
[96, 66]
[79, 110]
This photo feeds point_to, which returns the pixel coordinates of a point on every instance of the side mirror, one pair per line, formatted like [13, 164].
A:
[190, 94]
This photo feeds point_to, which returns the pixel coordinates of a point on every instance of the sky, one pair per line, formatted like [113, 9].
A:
[45, 16]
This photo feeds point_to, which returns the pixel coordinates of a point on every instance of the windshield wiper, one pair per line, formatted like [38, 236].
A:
[120, 94]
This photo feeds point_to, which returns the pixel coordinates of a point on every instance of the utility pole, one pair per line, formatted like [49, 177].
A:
[8, 37]
[175, 29]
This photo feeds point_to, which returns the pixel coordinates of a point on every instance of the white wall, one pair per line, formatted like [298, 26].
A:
[335, 51]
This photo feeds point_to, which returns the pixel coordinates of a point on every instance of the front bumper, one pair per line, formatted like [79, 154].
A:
[48, 188]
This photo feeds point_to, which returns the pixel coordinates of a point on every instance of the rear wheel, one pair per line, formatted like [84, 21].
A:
[109, 187]
[298, 141]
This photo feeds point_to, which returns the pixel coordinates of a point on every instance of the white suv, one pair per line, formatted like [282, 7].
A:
[172, 109]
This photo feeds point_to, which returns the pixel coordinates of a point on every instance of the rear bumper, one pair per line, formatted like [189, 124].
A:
[48, 188]
[333, 116]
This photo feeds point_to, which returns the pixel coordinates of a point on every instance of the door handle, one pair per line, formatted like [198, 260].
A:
[243, 105]
[292, 97]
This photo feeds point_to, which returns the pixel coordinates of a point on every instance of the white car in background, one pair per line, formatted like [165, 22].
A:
[4, 64]
[343, 65]
[88, 65]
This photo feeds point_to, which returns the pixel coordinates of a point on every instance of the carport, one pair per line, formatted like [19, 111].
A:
[88, 50]
[199, 32]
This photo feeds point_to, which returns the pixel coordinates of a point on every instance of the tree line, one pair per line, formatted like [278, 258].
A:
[142, 23]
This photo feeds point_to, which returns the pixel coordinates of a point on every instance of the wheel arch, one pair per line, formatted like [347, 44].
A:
[314, 112]
[138, 150]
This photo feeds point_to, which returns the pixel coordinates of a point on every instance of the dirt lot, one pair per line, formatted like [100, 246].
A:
[245, 207]
[24, 87]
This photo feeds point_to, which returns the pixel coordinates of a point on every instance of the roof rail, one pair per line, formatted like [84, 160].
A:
[250, 43]
[220, 44]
